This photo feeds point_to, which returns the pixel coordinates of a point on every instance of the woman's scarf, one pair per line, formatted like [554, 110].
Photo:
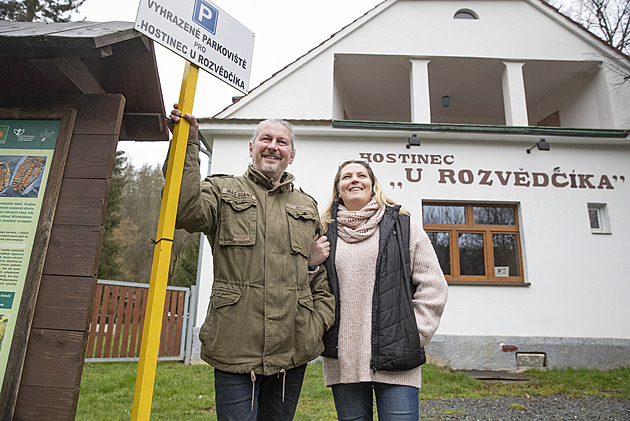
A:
[356, 226]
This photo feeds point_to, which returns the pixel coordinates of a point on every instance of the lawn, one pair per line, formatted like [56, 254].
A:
[187, 391]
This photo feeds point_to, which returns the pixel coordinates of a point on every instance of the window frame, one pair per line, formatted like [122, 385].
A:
[466, 14]
[469, 226]
[602, 218]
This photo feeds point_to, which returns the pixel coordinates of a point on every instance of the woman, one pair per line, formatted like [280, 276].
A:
[390, 293]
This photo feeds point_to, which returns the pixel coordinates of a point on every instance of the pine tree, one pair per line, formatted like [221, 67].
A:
[38, 10]
[185, 269]
[109, 267]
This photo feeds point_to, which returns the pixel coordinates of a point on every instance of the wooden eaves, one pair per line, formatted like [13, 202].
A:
[86, 58]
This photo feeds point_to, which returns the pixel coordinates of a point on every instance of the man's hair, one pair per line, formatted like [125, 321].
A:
[279, 121]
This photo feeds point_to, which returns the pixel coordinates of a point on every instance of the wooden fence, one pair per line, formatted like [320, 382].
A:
[118, 319]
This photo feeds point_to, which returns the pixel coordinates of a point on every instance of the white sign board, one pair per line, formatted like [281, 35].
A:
[203, 34]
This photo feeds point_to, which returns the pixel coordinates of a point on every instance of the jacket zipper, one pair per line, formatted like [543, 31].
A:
[375, 307]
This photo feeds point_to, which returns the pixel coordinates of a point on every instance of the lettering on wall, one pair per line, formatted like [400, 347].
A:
[414, 165]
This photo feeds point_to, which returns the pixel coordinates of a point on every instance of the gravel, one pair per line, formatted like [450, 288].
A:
[590, 408]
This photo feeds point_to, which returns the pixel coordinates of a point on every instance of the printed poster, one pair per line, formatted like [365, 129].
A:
[26, 151]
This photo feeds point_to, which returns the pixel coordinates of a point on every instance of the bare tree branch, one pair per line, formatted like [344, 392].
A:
[607, 19]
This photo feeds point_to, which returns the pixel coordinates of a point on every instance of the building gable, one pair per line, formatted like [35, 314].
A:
[376, 68]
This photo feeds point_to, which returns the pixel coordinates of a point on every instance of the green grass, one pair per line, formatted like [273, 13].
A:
[439, 383]
[187, 391]
[181, 392]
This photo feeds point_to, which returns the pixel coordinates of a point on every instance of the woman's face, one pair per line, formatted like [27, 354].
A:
[355, 186]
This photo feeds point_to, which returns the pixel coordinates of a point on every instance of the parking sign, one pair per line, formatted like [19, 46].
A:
[202, 33]
[206, 15]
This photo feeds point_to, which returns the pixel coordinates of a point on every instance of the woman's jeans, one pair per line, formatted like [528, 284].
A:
[238, 398]
[353, 402]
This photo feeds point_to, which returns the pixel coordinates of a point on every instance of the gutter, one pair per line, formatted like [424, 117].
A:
[482, 128]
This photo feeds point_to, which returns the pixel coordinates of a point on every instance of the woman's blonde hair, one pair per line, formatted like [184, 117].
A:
[377, 192]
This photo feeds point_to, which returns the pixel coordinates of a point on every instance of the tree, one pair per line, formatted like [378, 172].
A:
[608, 19]
[131, 225]
[184, 265]
[109, 266]
[38, 10]
[142, 197]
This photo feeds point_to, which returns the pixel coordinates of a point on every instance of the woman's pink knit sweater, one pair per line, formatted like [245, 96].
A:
[355, 261]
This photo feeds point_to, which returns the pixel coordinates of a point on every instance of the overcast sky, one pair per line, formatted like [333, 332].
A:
[284, 30]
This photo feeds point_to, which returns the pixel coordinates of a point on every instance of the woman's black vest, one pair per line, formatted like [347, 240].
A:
[395, 337]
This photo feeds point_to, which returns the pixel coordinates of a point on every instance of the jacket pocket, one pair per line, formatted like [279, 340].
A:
[307, 302]
[223, 298]
[302, 220]
[223, 326]
[309, 328]
[238, 219]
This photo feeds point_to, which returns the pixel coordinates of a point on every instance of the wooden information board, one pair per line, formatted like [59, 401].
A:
[33, 150]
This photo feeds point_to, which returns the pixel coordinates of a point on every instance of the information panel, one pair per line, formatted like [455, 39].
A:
[26, 150]
[202, 33]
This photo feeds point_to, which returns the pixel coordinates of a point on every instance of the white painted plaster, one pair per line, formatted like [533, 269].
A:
[579, 286]
[579, 283]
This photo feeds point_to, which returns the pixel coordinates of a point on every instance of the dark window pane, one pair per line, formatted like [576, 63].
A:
[505, 248]
[494, 215]
[593, 214]
[442, 245]
[471, 257]
[435, 214]
[462, 14]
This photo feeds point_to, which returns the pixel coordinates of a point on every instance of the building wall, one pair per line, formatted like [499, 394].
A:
[573, 306]
[506, 30]
[578, 285]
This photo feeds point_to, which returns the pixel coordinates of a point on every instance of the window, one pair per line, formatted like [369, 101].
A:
[465, 14]
[475, 242]
[598, 217]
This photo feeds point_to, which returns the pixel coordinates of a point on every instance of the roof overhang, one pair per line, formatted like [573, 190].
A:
[455, 132]
[86, 58]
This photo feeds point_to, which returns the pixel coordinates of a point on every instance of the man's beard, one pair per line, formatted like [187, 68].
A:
[270, 168]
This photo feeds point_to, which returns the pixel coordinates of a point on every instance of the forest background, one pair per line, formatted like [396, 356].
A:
[131, 225]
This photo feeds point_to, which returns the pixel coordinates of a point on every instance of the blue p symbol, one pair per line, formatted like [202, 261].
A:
[206, 15]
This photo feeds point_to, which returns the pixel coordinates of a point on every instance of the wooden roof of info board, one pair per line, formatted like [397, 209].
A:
[86, 58]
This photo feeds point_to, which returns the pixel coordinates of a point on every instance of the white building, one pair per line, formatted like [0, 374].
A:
[533, 244]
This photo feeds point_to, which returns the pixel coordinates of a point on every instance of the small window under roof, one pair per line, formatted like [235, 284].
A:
[465, 14]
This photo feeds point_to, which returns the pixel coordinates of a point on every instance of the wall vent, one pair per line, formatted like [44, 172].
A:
[531, 360]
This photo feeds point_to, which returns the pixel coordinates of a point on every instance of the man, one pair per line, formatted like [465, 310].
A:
[269, 309]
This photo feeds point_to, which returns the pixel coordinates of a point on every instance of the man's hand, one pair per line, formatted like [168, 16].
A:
[176, 115]
[319, 250]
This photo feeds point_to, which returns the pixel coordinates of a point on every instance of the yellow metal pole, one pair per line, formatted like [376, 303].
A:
[149, 348]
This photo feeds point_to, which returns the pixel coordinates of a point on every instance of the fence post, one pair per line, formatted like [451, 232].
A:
[192, 316]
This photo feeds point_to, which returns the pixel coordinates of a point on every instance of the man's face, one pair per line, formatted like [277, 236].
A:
[272, 151]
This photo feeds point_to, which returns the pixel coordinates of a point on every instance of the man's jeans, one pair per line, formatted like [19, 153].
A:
[353, 401]
[240, 398]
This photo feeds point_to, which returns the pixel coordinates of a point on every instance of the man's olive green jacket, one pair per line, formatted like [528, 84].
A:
[266, 312]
